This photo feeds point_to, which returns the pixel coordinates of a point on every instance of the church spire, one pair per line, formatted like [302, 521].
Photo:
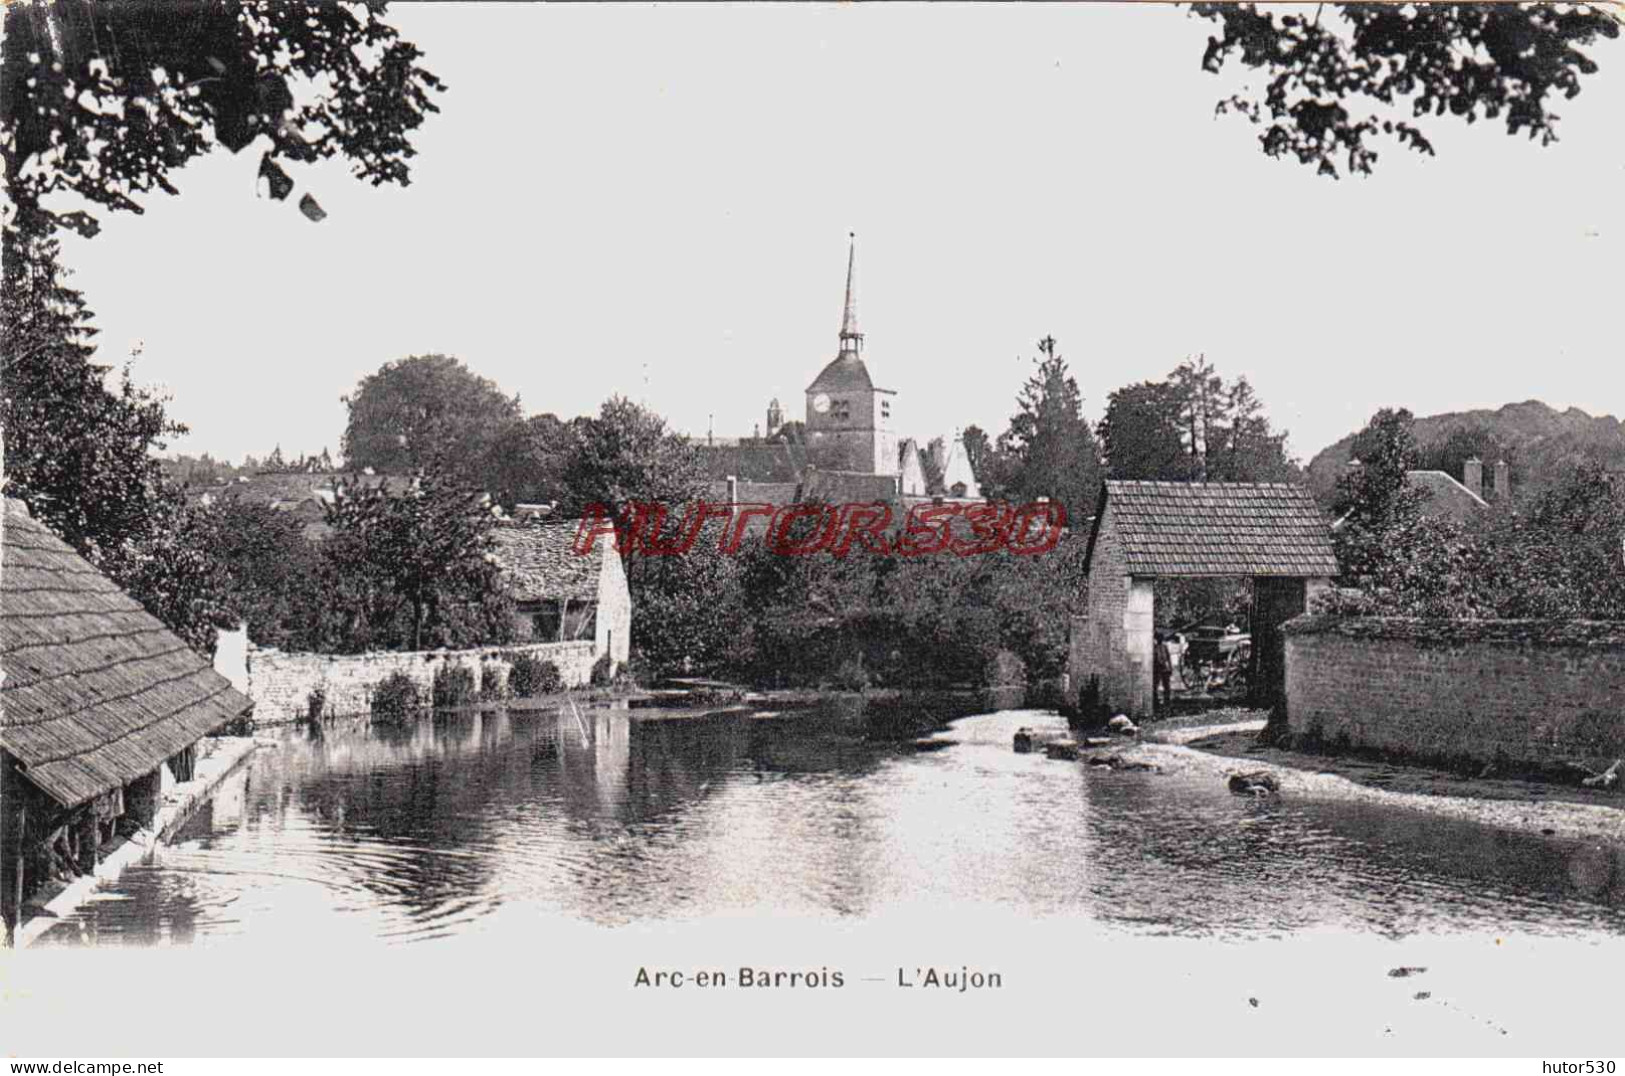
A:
[851, 339]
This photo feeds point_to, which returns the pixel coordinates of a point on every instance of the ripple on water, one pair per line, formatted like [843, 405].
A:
[405, 835]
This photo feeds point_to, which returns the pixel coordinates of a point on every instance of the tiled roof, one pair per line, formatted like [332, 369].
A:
[97, 692]
[754, 463]
[774, 493]
[540, 563]
[1446, 497]
[846, 487]
[294, 488]
[1217, 528]
[845, 372]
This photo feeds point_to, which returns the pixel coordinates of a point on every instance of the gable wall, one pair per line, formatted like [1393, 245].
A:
[1116, 630]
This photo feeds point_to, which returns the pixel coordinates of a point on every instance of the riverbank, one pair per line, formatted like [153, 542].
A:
[1223, 750]
[219, 757]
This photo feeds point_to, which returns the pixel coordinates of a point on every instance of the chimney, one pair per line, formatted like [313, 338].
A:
[733, 489]
[1472, 476]
[1503, 480]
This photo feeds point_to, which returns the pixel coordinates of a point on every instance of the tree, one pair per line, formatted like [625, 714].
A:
[412, 569]
[1141, 434]
[1251, 450]
[108, 100]
[1192, 426]
[270, 576]
[1050, 447]
[1375, 502]
[932, 461]
[1472, 60]
[1557, 558]
[80, 455]
[627, 454]
[84, 457]
[105, 101]
[427, 411]
[793, 432]
[1561, 556]
[1199, 391]
[1462, 444]
[166, 568]
[527, 461]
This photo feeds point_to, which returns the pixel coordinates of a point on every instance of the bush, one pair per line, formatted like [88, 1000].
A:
[453, 686]
[315, 703]
[603, 670]
[396, 696]
[851, 676]
[492, 687]
[637, 671]
[530, 676]
[1005, 669]
[238, 726]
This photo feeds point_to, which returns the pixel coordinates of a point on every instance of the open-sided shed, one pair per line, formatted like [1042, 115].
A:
[1273, 533]
[95, 696]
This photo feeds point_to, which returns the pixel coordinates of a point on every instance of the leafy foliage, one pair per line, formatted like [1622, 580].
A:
[691, 609]
[1464, 443]
[1540, 443]
[78, 453]
[272, 578]
[1048, 449]
[527, 461]
[109, 100]
[626, 454]
[453, 687]
[1192, 426]
[395, 697]
[411, 572]
[427, 411]
[1475, 61]
[1557, 554]
[81, 455]
[530, 676]
[1373, 501]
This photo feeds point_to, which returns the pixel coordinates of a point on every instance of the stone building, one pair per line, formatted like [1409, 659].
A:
[850, 428]
[1273, 533]
[850, 425]
[910, 470]
[958, 481]
[562, 596]
[1442, 497]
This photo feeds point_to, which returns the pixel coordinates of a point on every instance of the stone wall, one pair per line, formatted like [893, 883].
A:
[613, 627]
[281, 684]
[1525, 691]
[1116, 631]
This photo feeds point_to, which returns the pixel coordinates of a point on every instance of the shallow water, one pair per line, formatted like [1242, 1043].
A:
[421, 832]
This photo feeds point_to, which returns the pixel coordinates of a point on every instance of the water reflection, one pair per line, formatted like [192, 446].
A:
[406, 832]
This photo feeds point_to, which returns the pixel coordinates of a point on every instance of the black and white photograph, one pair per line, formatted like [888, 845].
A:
[812, 529]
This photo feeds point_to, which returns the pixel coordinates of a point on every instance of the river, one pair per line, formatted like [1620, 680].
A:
[405, 834]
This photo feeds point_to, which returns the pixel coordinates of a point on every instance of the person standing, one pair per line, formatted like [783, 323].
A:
[1162, 673]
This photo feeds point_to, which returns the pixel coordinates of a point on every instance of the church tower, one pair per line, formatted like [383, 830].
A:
[775, 417]
[850, 425]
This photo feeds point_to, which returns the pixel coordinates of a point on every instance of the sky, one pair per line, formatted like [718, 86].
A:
[655, 201]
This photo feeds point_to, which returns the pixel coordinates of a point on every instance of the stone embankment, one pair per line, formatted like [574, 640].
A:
[1170, 753]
